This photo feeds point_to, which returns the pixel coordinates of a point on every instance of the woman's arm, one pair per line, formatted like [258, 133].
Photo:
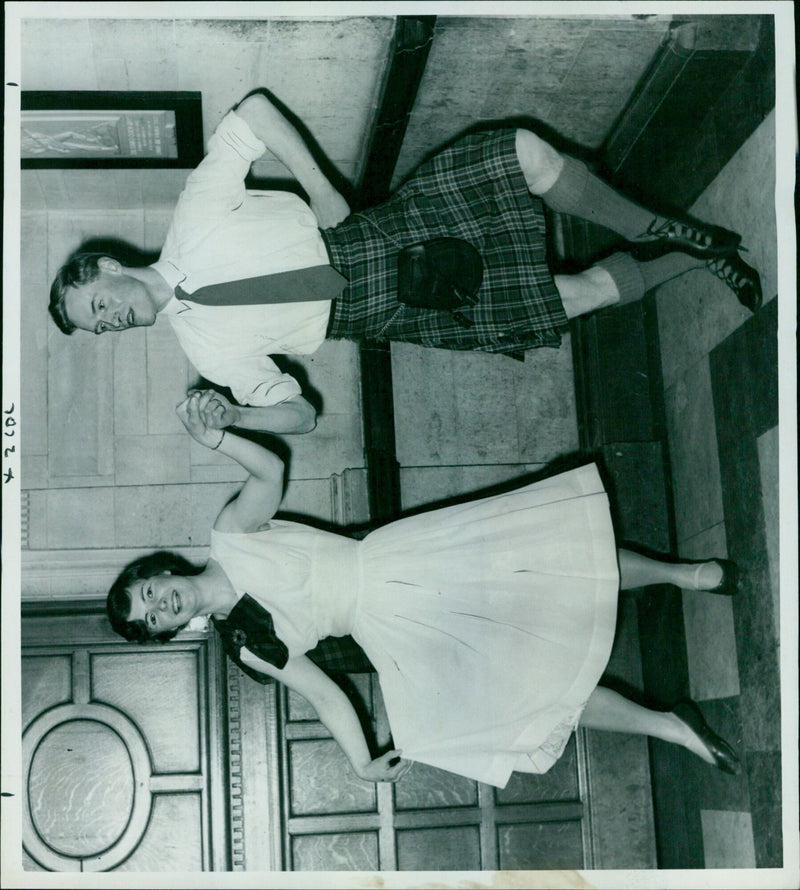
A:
[281, 138]
[337, 713]
[262, 493]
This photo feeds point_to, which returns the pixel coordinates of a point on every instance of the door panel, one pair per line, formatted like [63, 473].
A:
[120, 750]
[432, 820]
[351, 851]
[45, 681]
[158, 691]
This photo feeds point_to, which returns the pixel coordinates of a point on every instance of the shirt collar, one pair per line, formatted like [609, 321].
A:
[173, 276]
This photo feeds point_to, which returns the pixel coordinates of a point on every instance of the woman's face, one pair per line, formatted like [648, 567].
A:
[164, 602]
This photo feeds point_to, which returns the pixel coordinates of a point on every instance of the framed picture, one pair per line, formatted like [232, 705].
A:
[111, 129]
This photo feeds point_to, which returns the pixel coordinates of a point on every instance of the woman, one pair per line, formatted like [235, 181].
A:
[490, 623]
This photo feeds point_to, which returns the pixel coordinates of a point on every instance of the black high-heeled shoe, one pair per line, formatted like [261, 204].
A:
[724, 756]
[698, 239]
[742, 279]
[728, 583]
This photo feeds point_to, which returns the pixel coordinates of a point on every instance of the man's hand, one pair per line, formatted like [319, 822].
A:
[284, 141]
[215, 410]
[192, 419]
[390, 767]
[330, 208]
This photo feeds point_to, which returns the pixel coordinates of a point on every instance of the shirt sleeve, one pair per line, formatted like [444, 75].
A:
[217, 183]
[255, 380]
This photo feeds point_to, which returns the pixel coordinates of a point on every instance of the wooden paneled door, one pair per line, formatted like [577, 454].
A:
[122, 760]
[165, 758]
[431, 820]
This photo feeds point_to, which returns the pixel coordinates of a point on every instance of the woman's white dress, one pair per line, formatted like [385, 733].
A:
[489, 622]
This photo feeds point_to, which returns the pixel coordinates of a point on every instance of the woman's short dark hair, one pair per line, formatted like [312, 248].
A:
[81, 268]
[118, 602]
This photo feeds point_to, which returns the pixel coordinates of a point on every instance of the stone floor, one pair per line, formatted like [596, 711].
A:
[720, 375]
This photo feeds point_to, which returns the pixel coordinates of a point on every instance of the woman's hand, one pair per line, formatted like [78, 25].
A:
[389, 767]
[217, 412]
[192, 418]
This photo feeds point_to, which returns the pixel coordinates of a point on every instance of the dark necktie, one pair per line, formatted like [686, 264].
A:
[297, 286]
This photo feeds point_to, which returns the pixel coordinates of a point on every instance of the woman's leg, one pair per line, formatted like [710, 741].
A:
[636, 570]
[610, 711]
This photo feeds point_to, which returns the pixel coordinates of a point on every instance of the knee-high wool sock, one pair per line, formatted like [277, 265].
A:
[578, 192]
[633, 279]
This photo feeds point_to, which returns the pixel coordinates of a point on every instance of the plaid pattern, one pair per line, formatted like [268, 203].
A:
[473, 190]
[250, 625]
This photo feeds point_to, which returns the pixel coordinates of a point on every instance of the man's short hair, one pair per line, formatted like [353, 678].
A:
[81, 268]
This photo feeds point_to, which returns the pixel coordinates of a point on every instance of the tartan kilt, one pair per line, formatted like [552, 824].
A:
[475, 190]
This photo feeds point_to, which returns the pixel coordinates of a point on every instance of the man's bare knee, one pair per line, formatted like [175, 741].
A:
[540, 162]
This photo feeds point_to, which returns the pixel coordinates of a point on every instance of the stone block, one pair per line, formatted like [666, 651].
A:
[34, 470]
[151, 460]
[333, 371]
[167, 379]
[129, 183]
[153, 516]
[67, 230]
[350, 38]
[34, 326]
[422, 486]
[335, 445]
[309, 497]
[82, 517]
[424, 404]
[79, 406]
[693, 452]
[31, 194]
[130, 383]
[37, 520]
[710, 632]
[544, 404]
[768, 462]
[111, 72]
[205, 504]
[132, 37]
[91, 189]
[728, 839]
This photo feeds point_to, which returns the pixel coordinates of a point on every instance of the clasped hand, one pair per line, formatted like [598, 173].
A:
[204, 413]
[389, 767]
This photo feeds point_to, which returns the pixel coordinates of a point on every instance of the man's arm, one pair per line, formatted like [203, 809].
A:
[281, 138]
[295, 415]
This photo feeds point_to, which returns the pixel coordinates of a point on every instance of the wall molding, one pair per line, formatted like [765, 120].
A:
[235, 778]
[82, 574]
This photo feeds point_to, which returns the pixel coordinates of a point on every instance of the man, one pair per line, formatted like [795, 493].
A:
[228, 248]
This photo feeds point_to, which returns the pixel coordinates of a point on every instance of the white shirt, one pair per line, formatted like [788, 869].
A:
[221, 232]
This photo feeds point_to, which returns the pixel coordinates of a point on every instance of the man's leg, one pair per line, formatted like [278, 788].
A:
[618, 279]
[566, 185]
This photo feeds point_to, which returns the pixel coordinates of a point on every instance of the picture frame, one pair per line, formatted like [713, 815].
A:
[95, 129]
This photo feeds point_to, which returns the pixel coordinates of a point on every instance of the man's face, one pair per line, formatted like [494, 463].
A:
[114, 301]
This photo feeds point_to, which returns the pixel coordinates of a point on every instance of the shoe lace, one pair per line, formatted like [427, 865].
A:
[736, 279]
[678, 229]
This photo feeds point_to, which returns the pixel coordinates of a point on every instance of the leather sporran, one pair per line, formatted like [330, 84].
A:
[442, 274]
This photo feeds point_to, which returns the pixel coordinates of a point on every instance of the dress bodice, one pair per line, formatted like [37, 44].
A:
[307, 579]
